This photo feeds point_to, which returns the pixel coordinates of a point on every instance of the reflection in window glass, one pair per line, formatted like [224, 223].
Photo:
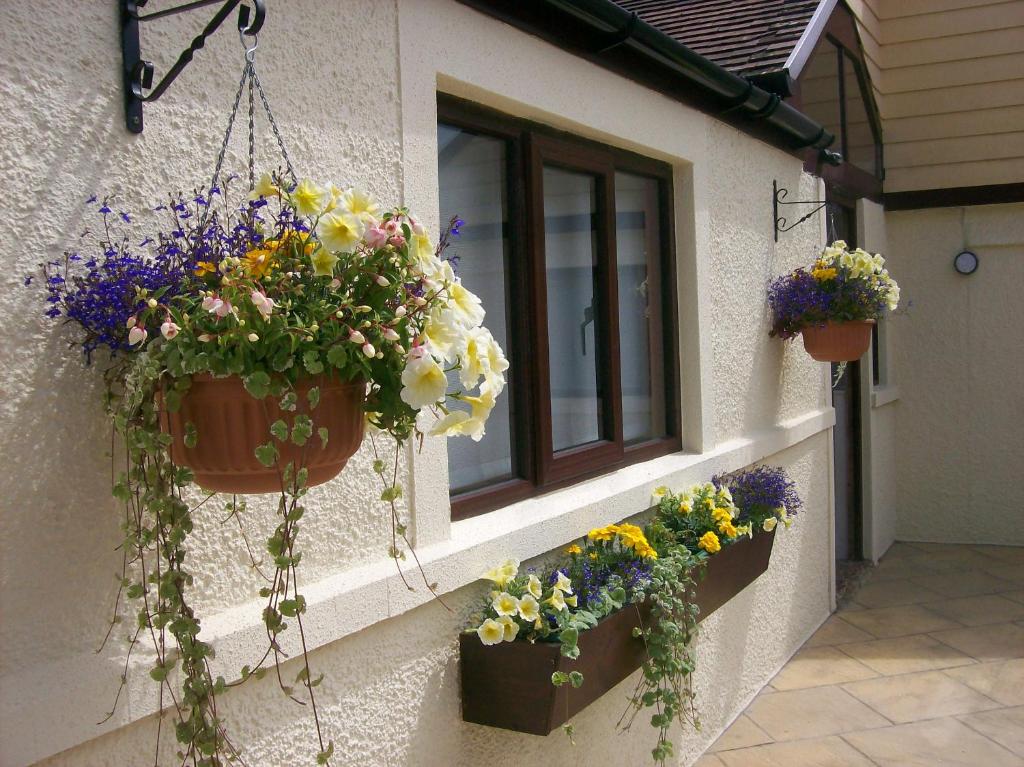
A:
[570, 248]
[860, 141]
[473, 186]
[638, 250]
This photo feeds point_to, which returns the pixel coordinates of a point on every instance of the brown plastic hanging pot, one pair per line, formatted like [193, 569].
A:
[230, 424]
[838, 341]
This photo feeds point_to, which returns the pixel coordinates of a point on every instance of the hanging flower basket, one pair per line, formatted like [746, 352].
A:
[230, 424]
[818, 301]
[508, 685]
[838, 341]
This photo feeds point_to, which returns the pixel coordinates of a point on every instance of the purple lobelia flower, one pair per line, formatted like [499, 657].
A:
[760, 491]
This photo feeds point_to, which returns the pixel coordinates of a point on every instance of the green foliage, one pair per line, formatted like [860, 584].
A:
[665, 684]
[157, 526]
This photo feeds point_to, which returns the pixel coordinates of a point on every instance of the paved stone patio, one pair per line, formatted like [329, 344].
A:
[923, 668]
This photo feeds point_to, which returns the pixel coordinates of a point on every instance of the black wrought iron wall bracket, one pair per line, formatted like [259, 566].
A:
[779, 199]
[138, 72]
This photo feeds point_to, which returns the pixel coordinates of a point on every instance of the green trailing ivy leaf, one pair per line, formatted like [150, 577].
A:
[302, 429]
[311, 361]
[337, 356]
[257, 384]
[267, 454]
[322, 432]
[279, 429]
[313, 397]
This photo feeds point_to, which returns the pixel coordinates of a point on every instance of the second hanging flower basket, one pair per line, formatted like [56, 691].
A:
[838, 341]
[834, 302]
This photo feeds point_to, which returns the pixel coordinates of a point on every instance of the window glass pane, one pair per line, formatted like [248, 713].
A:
[638, 254]
[570, 247]
[860, 141]
[819, 90]
[473, 186]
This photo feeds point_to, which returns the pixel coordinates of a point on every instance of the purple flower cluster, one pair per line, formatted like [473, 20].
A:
[101, 290]
[760, 491]
[797, 300]
[632, 575]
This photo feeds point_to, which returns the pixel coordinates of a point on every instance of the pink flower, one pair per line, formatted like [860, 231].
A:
[392, 227]
[356, 337]
[398, 241]
[368, 350]
[217, 306]
[375, 237]
[169, 329]
[263, 304]
[137, 335]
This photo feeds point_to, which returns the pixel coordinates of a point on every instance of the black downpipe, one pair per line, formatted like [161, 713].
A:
[739, 98]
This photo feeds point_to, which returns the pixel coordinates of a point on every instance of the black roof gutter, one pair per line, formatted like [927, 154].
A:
[610, 36]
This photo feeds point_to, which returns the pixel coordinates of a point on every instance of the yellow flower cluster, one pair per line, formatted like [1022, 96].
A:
[709, 542]
[630, 536]
[723, 518]
[861, 265]
[821, 273]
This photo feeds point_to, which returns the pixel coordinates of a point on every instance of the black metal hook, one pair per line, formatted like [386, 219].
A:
[138, 72]
[779, 198]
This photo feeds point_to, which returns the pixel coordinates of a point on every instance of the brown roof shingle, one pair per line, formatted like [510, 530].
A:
[745, 36]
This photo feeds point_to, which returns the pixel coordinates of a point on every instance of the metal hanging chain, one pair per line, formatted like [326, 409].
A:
[249, 77]
[273, 126]
[252, 133]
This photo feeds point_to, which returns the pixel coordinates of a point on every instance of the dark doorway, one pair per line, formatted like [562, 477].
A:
[846, 396]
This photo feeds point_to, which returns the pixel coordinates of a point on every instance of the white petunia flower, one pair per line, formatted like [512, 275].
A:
[491, 632]
[505, 604]
[423, 381]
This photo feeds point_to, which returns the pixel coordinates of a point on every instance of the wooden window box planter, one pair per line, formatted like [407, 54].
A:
[508, 685]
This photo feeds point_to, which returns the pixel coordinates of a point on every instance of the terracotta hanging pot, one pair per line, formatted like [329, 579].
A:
[230, 424]
[838, 341]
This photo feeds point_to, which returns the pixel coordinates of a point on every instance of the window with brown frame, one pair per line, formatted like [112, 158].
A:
[569, 243]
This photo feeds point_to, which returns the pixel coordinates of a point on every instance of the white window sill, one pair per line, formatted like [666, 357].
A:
[883, 395]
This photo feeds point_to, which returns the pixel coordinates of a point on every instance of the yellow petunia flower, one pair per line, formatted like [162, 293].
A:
[529, 608]
[574, 549]
[727, 529]
[510, 626]
[534, 587]
[505, 604]
[659, 492]
[491, 632]
[204, 268]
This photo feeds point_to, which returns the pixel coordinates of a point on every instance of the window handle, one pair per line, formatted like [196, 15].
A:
[588, 317]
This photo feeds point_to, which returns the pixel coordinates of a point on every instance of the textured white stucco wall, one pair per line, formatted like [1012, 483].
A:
[354, 92]
[960, 361]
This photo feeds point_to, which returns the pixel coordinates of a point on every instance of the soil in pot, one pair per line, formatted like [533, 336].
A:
[231, 424]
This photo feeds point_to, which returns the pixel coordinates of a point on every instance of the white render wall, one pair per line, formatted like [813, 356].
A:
[354, 91]
[960, 364]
